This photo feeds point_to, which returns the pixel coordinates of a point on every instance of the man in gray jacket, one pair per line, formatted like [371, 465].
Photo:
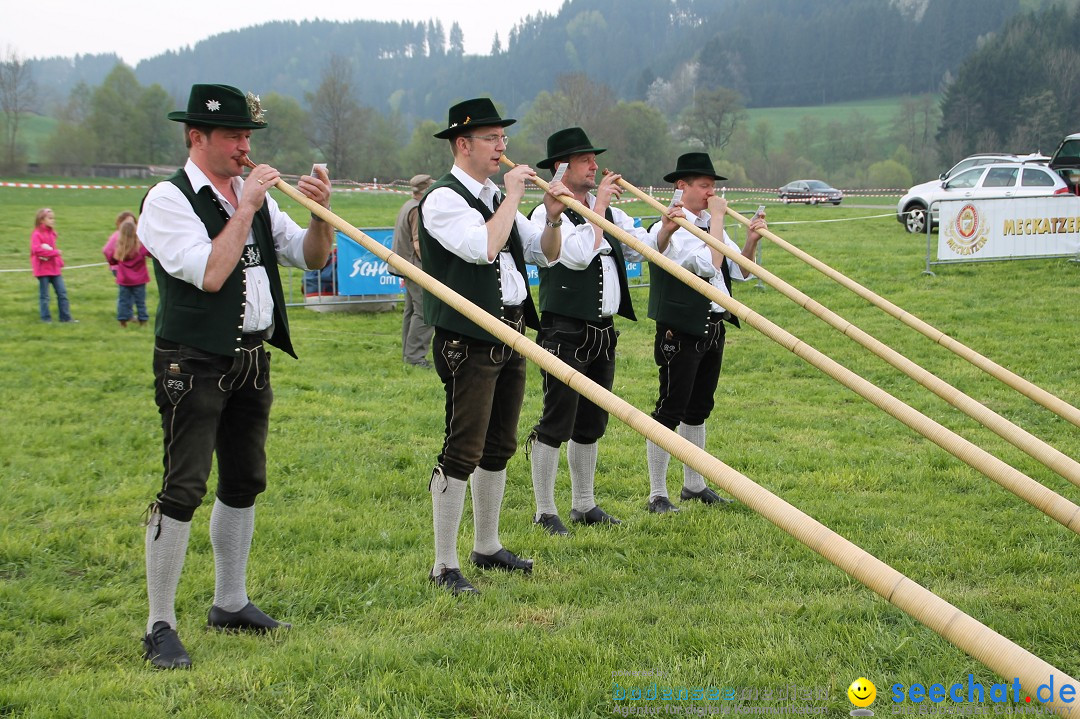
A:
[415, 333]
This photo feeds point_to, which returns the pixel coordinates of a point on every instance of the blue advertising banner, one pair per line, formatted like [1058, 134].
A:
[360, 272]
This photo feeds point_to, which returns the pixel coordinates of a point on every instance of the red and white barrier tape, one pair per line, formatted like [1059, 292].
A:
[58, 186]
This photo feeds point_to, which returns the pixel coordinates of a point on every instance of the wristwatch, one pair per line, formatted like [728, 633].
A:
[555, 224]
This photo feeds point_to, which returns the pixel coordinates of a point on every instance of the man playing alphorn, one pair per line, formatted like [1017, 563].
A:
[216, 241]
[579, 294]
[475, 241]
[689, 342]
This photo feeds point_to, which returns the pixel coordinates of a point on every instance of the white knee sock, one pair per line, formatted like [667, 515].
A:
[231, 529]
[545, 467]
[694, 433]
[448, 504]
[582, 461]
[166, 545]
[658, 458]
[487, 496]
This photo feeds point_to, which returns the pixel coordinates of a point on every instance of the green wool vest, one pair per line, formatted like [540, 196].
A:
[580, 293]
[477, 283]
[673, 303]
[213, 321]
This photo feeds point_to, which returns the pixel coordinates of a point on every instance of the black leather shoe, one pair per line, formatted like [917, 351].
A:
[163, 649]
[451, 580]
[502, 559]
[552, 524]
[593, 516]
[248, 619]
[705, 496]
[661, 505]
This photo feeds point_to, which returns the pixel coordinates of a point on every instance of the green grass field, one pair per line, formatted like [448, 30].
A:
[711, 598]
[881, 111]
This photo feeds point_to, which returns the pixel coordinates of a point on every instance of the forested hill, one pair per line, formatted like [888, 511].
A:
[775, 52]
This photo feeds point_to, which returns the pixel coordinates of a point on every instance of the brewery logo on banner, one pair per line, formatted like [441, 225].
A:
[967, 234]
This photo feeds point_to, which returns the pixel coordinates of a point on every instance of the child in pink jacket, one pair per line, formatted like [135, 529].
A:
[46, 261]
[127, 259]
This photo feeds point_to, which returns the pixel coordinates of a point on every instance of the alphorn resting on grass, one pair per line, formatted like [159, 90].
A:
[993, 650]
[1059, 462]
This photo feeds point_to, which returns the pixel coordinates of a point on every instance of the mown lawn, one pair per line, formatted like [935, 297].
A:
[343, 545]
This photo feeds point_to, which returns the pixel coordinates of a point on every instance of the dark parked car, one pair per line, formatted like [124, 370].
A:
[811, 192]
[1066, 161]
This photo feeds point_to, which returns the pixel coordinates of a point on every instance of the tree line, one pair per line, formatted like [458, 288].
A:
[123, 120]
[775, 53]
[1020, 91]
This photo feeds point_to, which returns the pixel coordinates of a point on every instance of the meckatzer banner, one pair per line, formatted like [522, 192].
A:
[971, 229]
[360, 272]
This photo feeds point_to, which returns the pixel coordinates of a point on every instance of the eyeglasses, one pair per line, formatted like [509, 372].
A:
[493, 139]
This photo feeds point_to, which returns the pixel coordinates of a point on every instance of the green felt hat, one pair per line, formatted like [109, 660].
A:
[478, 112]
[693, 164]
[565, 143]
[221, 106]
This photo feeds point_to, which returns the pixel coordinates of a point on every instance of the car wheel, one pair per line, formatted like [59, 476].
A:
[813, 200]
[915, 219]
[837, 203]
[784, 199]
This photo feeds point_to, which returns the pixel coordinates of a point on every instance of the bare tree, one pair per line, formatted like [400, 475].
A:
[18, 93]
[577, 100]
[713, 117]
[587, 102]
[336, 117]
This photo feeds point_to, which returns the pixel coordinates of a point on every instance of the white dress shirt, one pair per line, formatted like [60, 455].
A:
[693, 254]
[578, 242]
[463, 231]
[176, 237]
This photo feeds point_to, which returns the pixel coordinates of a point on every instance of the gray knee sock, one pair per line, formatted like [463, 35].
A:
[694, 433]
[166, 545]
[231, 529]
[487, 497]
[447, 504]
[545, 466]
[658, 458]
[582, 461]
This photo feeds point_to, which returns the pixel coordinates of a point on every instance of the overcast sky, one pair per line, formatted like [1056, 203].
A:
[136, 30]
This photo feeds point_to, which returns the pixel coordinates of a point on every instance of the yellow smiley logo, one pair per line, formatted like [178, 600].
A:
[862, 692]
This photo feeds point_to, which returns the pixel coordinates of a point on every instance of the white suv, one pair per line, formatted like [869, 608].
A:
[989, 158]
[1002, 179]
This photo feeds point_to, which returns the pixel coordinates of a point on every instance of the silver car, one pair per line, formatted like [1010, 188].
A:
[1003, 179]
[810, 192]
